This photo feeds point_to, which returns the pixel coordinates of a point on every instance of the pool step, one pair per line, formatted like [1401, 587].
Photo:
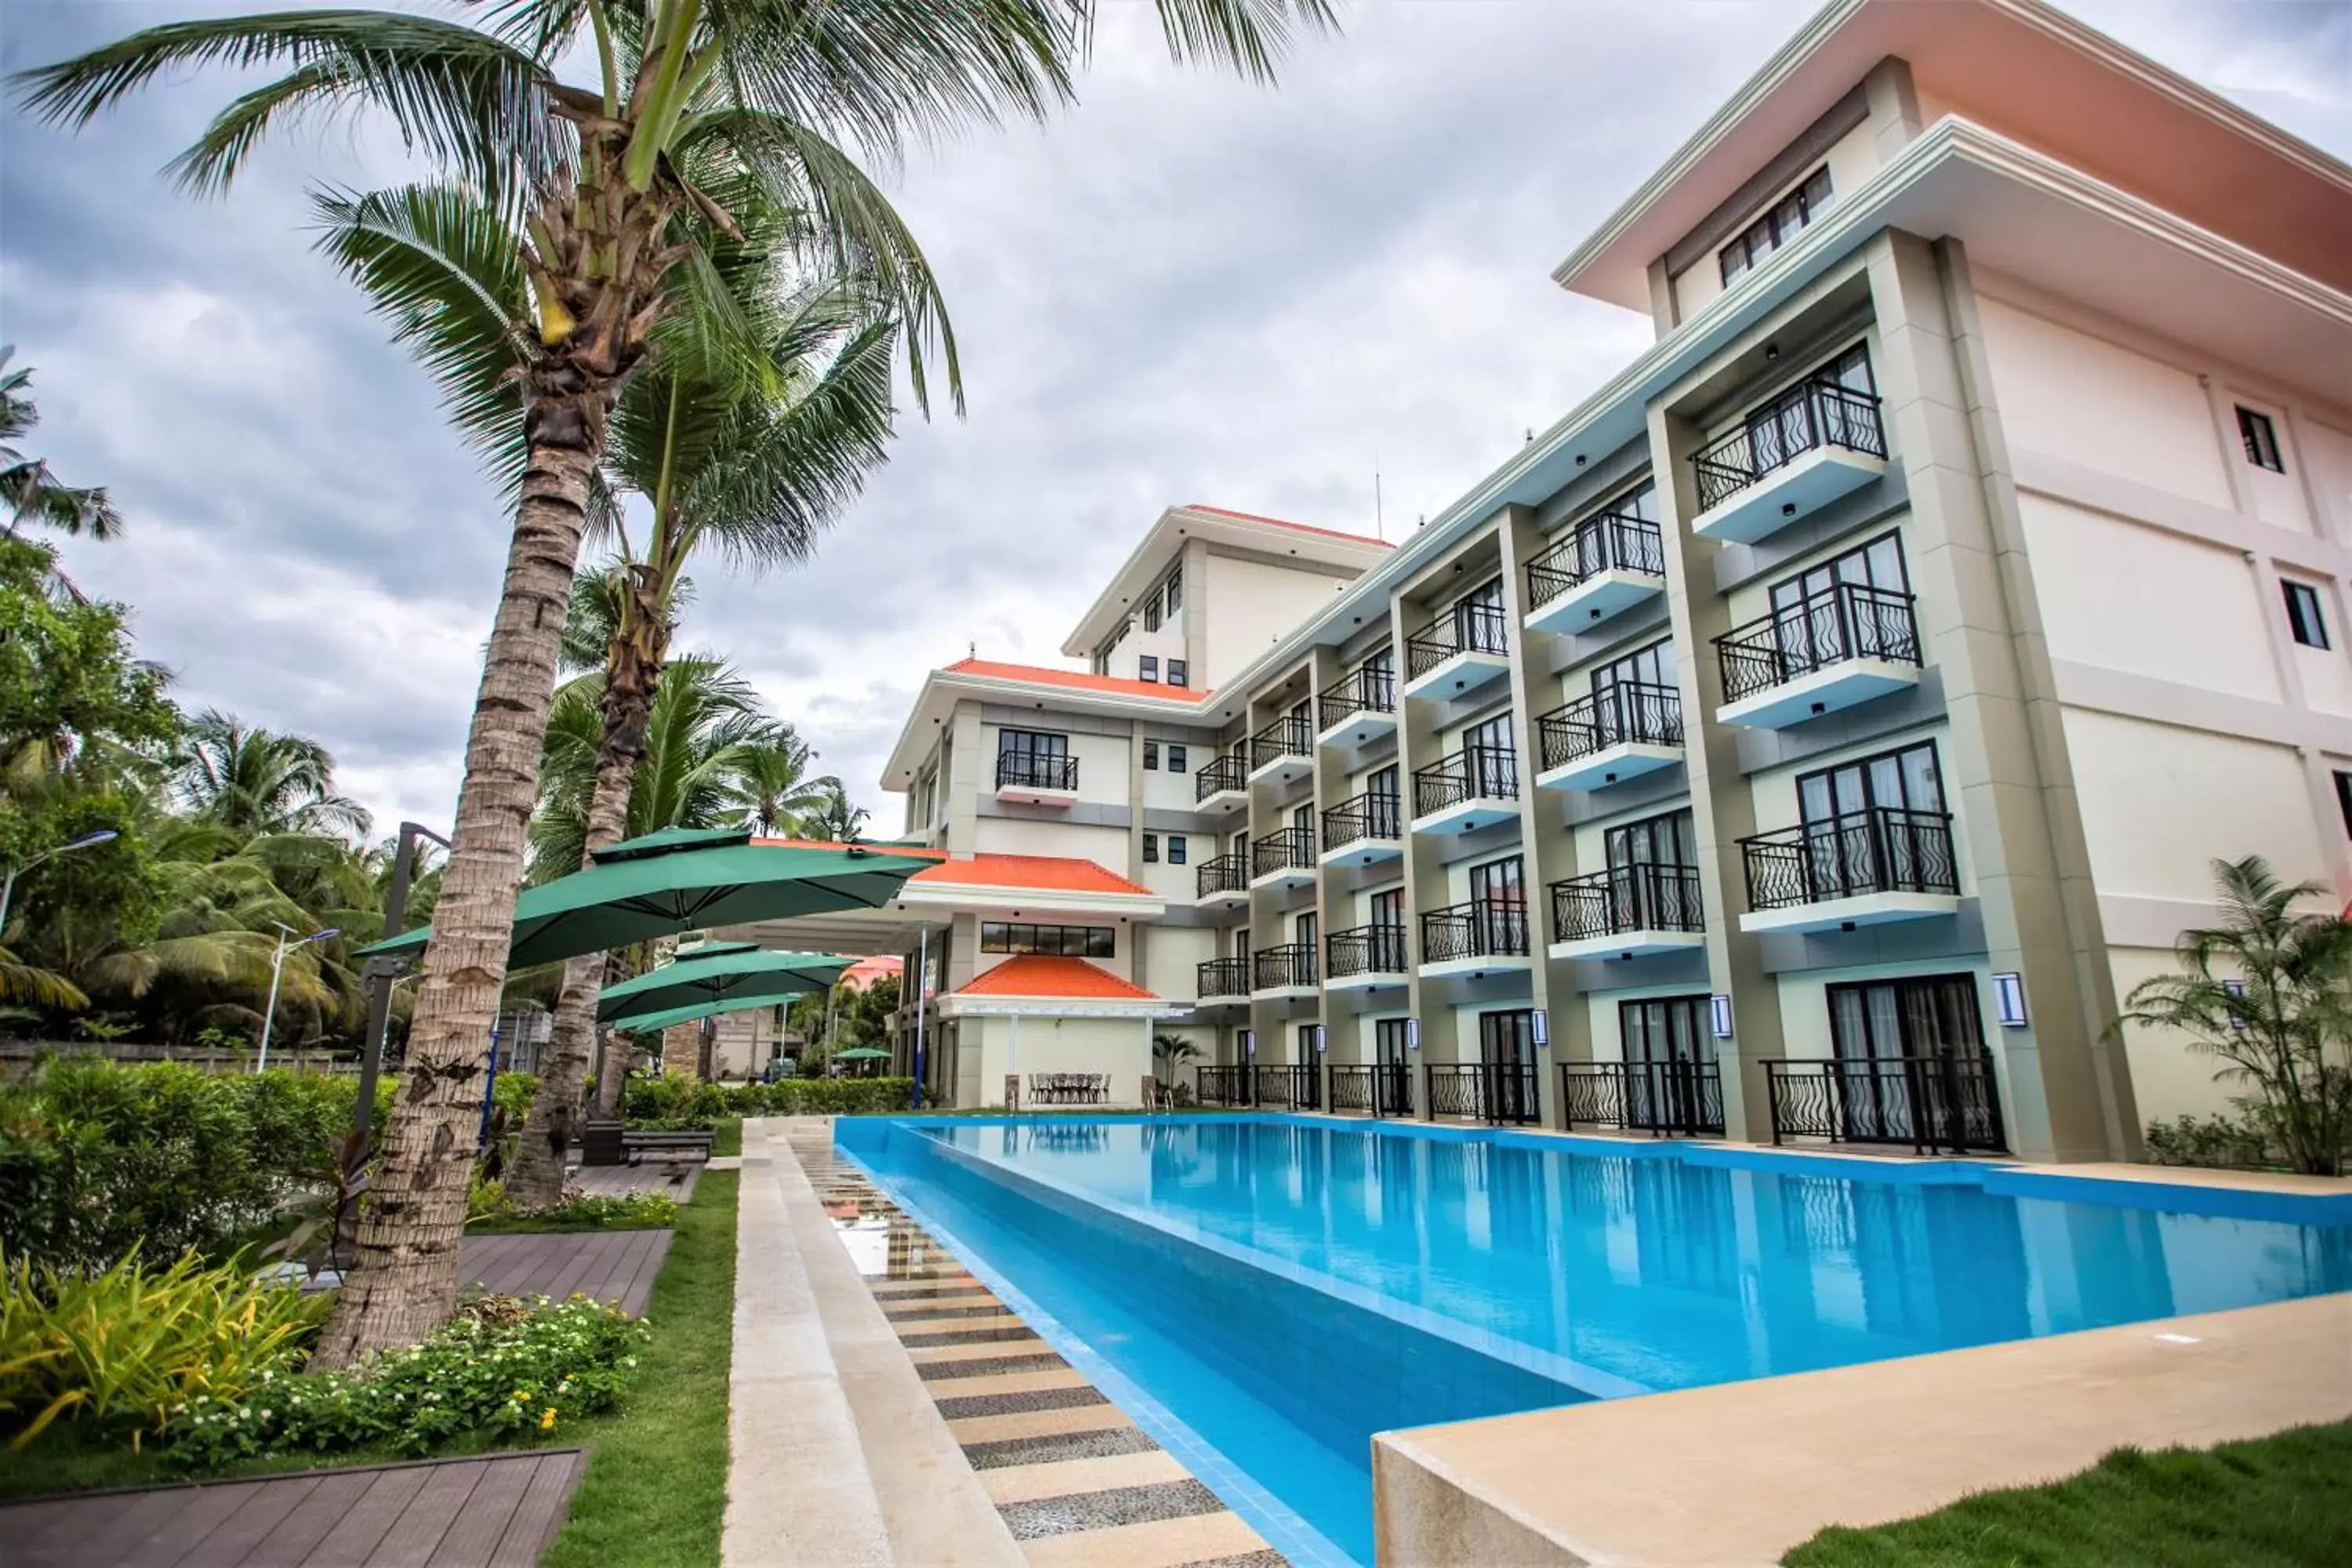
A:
[1078, 1483]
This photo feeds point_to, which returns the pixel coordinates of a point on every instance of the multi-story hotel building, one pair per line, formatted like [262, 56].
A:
[1815, 732]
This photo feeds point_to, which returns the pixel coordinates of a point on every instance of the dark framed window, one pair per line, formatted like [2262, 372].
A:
[1666, 840]
[1176, 850]
[1176, 589]
[1031, 744]
[2344, 800]
[1146, 666]
[1779, 225]
[1151, 610]
[1150, 756]
[1902, 780]
[1890, 1019]
[1151, 848]
[1176, 674]
[1053, 942]
[2302, 615]
[1175, 759]
[1665, 1030]
[2260, 438]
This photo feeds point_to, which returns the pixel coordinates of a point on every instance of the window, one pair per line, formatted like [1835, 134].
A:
[2302, 616]
[1488, 760]
[1178, 674]
[1665, 1030]
[1176, 591]
[1904, 780]
[1779, 225]
[1150, 756]
[1655, 841]
[1151, 848]
[1176, 850]
[2343, 799]
[1175, 759]
[2260, 437]
[1147, 668]
[1053, 942]
[1151, 609]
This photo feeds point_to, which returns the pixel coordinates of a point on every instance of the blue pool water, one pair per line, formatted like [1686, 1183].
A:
[1268, 1294]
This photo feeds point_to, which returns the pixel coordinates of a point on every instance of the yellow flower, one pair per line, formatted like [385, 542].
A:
[547, 1420]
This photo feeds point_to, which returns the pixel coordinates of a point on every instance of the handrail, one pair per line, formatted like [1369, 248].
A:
[1462, 628]
[1225, 874]
[1036, 769]
[1878, 849]
[1284, 849]
[1287, 736]
[1814, 414]
[1608, 541]
[1361, 817]
[1292, 963]
[1368, 689]
[1474, 772]
[1630, 711]
[1288, 1086]
[1222, 977]
[1497, 1092]
[1627, 898]
[1487, 928]
[1225, 1085]
[1944, 1101]
[1657, 1098]
[1827, 626]
[1224, 771]
[1365, 949]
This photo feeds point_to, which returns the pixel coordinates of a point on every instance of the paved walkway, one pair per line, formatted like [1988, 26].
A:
[499, 1512]
[675, 1178]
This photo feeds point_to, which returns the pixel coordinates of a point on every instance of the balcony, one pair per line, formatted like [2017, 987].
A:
[1606, 564]
[1365, 957]
[1281, 751]
[1830, 650]
[1285, 970]
[1222, 785]
[1863, 868]
[1810, 445]
[1457, 653]
[1223, 980]
[1283, 858]
[1287, 1086]
[1215, 1085]
[1500, 1093]
[1619, 732]
[1664, 1099]
[1358, 709]
[1362, 829]
[1471, 937]
[1945, 1102]
[1472, 788]
[1627, 912]
[1222, 885]
[1369, 1091]
[1031, 779]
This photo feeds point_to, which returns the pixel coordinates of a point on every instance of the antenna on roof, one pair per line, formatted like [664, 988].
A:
[1379, 527]
[972, 648]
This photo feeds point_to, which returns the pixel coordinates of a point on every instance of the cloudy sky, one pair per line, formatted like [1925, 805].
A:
[1182, 289]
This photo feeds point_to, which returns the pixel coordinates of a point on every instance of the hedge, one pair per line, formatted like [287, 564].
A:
[677, 1102]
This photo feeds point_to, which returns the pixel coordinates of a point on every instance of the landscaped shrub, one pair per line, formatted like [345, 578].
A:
[488, 1206]
[673, 1104]
[504, 1367]
[125, 1347]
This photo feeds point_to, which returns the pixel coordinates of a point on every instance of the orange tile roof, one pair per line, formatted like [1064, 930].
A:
[1282, 523]
[1035, 974]
[1044, 873]
[1078, 679]
[874, 967]
[912, 851]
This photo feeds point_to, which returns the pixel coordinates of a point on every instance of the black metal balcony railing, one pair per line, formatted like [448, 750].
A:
[1490, 928]
[1614, 541]
[1285, 737]
[1642, 1097]
[1360, 818]
[1222, 977]
[1843, 621]
[1032, 770]
[1464, 629]
[1632, 711]
[1815, 413]
[1627, 898]
[1369, 689]
[1365, 949]
[1288, 1086]
[1370, 1090]
[1946, 1101]
[1222, 1085]
[1474, 772]
[1225, 874]
[1876, 850]
[1292, 963]
[1219, 774]
[1284, 849]
[1502, 1093]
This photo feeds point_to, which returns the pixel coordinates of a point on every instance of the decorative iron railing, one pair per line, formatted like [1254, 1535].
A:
[1284, 849]
[1360, 818]
[1286, 737]
[1474, 772]
[1627, 898]
[1661, 1098]
[1288, 1086]
[1222, 1085]
[1614, 541]
[1365, 949]
[1814, 414]
[1878, 849]
[1222, 977]
[1632, 711]
[1504, 1093]
[1384, 1090]
[1464, 629]
[1219, 774]
[1225, 874]
[1944, 1101]
[1035, 770]
[1292, 963]
[1369, 689]
[1828, 626]
[1480, 928]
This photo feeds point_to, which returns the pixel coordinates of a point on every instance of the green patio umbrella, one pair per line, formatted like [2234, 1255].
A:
[653, 1022]
[682, 880]
[716, 971]
[861, 1054]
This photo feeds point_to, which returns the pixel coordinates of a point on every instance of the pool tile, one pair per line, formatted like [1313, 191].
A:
[1096, 1510]
[1091, 1475]
[984, 1429]
[1050, 1447]
[1018, 1391]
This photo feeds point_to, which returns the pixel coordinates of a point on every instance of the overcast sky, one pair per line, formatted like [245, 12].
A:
[1182, 289]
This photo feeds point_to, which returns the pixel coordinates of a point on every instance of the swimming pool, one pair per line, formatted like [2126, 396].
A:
[1266, 1294]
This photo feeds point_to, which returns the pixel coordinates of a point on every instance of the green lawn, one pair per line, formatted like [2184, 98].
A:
[727, 1136]
[2282, 1501]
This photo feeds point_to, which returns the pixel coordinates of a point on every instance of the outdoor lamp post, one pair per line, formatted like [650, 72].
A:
[8, 883]
[277, 968]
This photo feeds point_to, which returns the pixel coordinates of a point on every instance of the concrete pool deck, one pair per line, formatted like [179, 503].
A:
[1776, 1460]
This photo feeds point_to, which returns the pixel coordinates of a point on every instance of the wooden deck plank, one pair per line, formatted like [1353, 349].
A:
[640, 1291]
[262, 1506]
[174, 1539]
[352, 1542]
[630, 1281]
[123, 1524]
[476, 1532]
[301, 1530]
[541, 1513]
[414, 1539]
[26, 1522]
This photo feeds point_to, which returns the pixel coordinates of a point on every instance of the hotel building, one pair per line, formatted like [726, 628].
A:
[1815, 733]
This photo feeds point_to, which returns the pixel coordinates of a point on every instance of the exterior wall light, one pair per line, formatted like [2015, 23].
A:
[1720, 1007]
[2009, 1000]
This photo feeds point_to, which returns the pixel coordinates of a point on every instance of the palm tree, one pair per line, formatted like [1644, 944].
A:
[2269, 991]
[253, 781]
[835, 820]
[27, 488]
[605, 195]
[775, 794]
